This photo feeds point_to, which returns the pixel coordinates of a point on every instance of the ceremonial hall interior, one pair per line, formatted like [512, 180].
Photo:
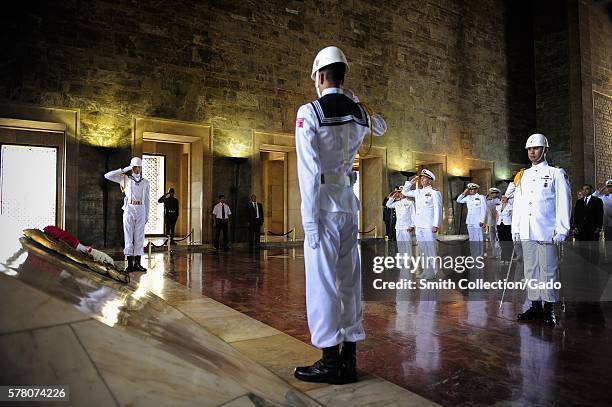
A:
[206, 95]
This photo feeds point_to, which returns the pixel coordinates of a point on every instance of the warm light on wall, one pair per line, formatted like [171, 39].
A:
[457, 171]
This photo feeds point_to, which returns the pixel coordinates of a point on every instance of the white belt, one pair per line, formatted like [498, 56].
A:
[336, 179]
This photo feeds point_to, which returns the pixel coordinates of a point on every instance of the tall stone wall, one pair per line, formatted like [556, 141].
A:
[445, 74]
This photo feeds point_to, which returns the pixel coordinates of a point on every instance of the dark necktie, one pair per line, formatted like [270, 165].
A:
[222, 211]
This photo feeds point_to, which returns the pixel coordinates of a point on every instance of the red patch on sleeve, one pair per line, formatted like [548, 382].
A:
[300, 122]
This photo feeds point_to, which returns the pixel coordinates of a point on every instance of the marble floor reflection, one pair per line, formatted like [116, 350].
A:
[456, 347]
[153, 342]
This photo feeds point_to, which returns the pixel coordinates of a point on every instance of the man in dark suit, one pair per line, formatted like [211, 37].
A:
[256, 219]
[587, 222]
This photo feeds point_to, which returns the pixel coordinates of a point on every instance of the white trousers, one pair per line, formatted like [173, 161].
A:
[404, 240]
[134, 217]
[475, 233]
[428, 247]
[541, 262]
[333, 282]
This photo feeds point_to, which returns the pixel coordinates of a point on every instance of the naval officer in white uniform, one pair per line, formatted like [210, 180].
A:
[477, 211]
[428, 218]
[540, 221]
[405, 214]
[135, 210]
[328, 134]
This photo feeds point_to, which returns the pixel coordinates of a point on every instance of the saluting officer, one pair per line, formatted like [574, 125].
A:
[605, 194]
[135, 210]
[541, 220]
[405, 213]
[328, 134]
[428, 217]
[477, 211]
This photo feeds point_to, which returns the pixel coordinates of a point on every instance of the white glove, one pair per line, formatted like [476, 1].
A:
[313, 240]
[101, 256]
[311, 229]
[127, 169]
[559, 238]
[516, 237]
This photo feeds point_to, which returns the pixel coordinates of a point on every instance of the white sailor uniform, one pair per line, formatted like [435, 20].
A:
[541, 210]
[405, 214]
[477, 211]
[135, 209]
[328, 134]
[428, 214]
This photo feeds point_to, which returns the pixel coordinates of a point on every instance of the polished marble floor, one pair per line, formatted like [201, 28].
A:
[153, 342]
[454, 348]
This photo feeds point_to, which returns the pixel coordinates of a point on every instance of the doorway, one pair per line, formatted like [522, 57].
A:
[166, 163]
[274, 187]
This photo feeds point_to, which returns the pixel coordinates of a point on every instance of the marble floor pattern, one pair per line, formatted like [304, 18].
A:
[154, 342]
[454, 348]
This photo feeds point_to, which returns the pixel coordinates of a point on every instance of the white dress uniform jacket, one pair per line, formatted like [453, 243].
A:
[542, 203]
[404, 212]
[477, 208]
[541, 209]
[328, 134]
[428, 202]
[504, 216]
[135, 209]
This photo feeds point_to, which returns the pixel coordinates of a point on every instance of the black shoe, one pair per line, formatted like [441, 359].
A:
[550, 319]
[130, 266]
[534, 312]
[327, 370]
[137, 265]
[348, 355]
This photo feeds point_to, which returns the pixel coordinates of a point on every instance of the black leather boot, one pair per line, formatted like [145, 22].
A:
[550, 319]
[130, 267]
[534, 312]
[137, 265]
[327, 370]
[348, 355]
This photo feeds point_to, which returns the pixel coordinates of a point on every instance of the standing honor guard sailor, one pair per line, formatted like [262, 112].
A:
[541, 221]
[135, 210]
[477, 211]
[405, 212]
[328, 134]
[428, 217]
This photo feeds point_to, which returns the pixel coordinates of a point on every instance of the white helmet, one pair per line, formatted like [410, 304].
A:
[536, 140]
[136, 162]
[494, 190]
[328, 56]
[425, 172]
[473, 185]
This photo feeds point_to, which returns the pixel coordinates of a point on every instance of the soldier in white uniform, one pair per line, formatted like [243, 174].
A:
[428, 217]
[477, 211]
[541, 221]
[328, 134]
[492, 202]
[605, 194]
[135, 210]
[405, 213]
